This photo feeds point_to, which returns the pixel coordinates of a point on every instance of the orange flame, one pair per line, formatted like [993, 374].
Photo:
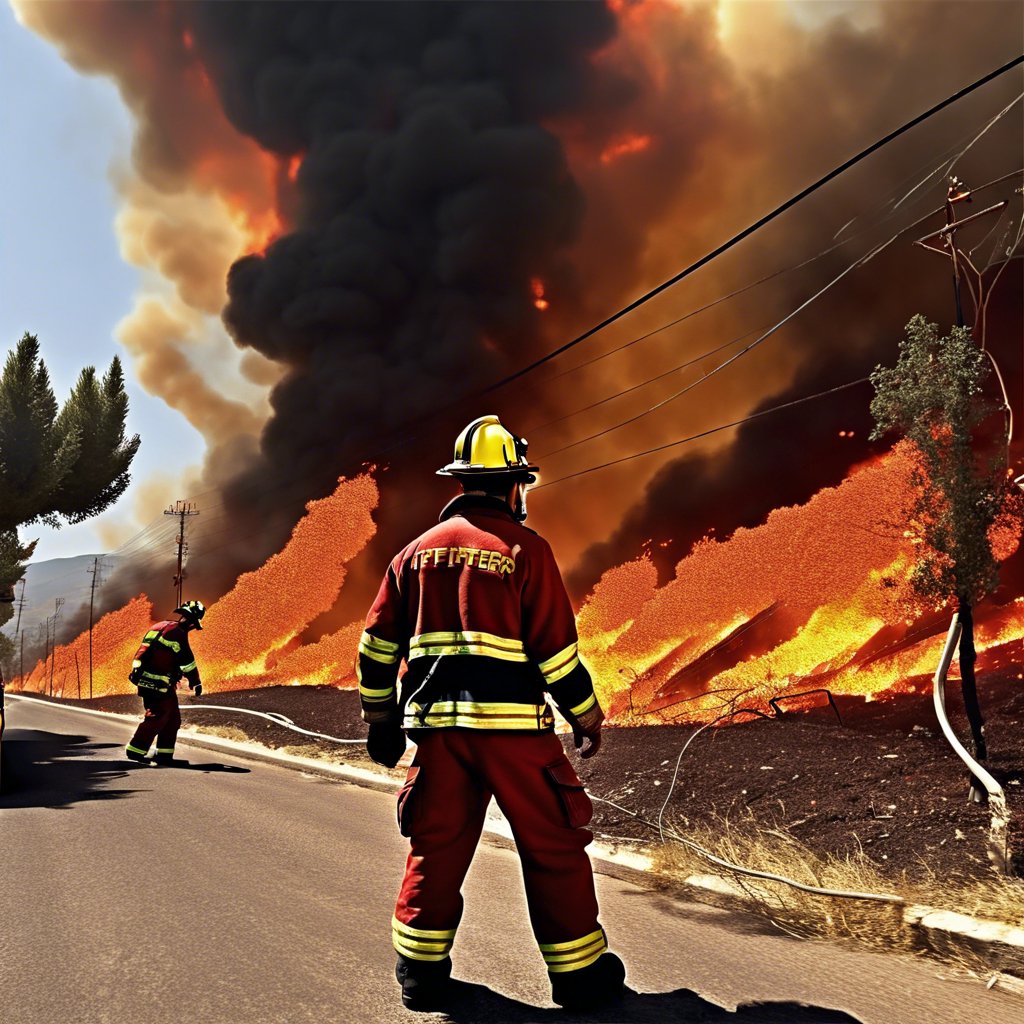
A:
[294, 163]
[251, 636]
[817, 596]
[115, 638]
[537, 285]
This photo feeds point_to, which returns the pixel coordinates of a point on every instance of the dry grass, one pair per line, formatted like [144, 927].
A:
[224, 732]
[791, 910]
[876, 924]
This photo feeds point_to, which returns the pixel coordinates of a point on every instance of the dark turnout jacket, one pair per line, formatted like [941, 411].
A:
[477, 609]
[163, 658]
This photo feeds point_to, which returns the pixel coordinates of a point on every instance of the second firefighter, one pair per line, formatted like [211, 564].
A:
[162, 659]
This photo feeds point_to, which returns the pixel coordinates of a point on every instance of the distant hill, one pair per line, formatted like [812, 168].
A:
[45, 582]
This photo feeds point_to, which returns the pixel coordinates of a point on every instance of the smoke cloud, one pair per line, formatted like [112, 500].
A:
[396, 178]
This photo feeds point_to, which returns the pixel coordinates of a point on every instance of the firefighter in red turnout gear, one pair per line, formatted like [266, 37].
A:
[477, 609]
[160, 662]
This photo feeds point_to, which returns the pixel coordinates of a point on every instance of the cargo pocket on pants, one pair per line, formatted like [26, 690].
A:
[575, 802]
[406, 801]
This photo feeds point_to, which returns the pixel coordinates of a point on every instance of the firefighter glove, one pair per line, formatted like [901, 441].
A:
[386, 743]
[587, 727]
[197, 690]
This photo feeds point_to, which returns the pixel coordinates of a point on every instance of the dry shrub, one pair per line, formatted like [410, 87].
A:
[875, 924]
[775, 851]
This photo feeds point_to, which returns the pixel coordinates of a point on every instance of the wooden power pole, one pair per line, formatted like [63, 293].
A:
[181, 509]
[53, 644]
[944, 242]
[96, 573]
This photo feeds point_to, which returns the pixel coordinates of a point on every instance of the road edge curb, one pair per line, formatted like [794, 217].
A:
[939, 930]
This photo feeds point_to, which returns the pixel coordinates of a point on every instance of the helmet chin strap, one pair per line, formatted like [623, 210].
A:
[519, 505]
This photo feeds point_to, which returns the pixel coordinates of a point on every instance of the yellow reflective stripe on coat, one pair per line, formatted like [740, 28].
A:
[189, 667]
[447, 714]
[173, 644]
[419, 944]
[373, 647]
[571, 956]
[560, 665]
[468, 642]
[376, 696]
[583, 708]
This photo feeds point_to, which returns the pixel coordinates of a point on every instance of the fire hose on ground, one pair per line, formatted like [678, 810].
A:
[279, 719]
[276, 718]
[998, 851]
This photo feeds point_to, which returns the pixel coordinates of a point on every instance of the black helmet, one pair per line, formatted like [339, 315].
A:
[192, 610]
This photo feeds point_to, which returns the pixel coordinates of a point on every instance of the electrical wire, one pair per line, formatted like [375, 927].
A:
[888, 209]
[757, 225]
[703, 433]
[861, 261]
[643, 383]
[703, 261]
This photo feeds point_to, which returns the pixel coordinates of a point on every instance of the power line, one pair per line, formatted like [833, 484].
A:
[836, 172]
[888, 211]
[758, 224]
[703, 433]
[732, 359]
[862, 260]
[846, 165]
[644, 383]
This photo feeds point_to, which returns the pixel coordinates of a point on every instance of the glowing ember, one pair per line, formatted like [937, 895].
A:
[294, 164]
[538, 294]
[625, 146]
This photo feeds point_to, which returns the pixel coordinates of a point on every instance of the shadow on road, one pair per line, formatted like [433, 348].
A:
[213, 766]
[474, 1003]
[46, 769]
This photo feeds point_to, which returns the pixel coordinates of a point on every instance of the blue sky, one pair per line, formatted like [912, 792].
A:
[61, 274]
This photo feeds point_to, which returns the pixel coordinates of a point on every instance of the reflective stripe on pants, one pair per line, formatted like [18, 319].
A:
[442, 809]
[162, 721]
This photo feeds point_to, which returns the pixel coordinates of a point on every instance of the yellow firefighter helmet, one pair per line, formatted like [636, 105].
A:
[486, 448]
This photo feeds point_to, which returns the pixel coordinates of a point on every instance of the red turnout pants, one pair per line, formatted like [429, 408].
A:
[162, 721]
[441, 809]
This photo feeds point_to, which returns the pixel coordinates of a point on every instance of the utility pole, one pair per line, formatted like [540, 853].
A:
[96, 573]
[53, 647]
[21, 605]
[181, 509]
[944, 242]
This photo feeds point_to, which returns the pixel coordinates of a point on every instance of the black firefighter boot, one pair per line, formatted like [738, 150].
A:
[425, 983]
[590, 988]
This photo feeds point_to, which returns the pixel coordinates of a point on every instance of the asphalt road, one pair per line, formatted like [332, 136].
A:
[240, 892]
